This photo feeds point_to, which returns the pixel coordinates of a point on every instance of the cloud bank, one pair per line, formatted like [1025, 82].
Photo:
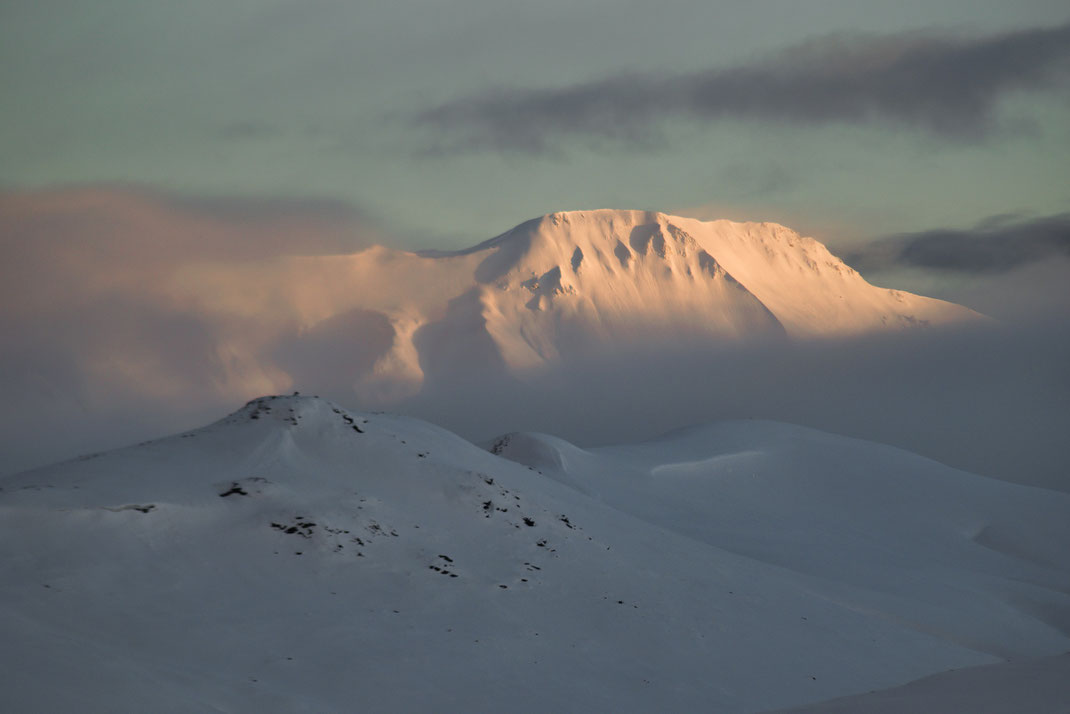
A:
[102, 342]
[988, 400]
[129, 315]
[947, 86]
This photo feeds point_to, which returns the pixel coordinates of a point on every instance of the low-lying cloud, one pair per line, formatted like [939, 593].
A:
[945, 85]
[102, 343]
[991, 399]
[129, 315]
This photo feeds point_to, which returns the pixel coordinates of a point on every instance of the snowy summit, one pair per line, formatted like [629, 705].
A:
[557, 288]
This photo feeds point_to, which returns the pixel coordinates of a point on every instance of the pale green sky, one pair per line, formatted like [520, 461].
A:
[317, 98]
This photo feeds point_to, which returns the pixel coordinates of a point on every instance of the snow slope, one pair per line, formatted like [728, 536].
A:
[1031, 686]
[299, 557]
[906, 538]
[552, 289]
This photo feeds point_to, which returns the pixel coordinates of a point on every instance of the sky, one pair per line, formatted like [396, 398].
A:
[449, 122]
[926, 142]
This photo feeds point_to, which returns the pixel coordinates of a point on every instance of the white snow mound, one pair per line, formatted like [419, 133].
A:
[297, 556]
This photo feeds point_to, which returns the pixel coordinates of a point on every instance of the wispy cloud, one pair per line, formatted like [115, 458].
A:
[998, 244]
[945, 85]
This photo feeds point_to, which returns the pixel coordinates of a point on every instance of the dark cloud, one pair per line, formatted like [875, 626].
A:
[946, 85]
[997, 244]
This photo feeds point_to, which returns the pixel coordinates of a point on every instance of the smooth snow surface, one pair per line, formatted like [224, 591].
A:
[1032, 686]
[298, 557]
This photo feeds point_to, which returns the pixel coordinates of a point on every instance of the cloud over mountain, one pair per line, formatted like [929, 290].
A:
[93, 323]
[133, 314]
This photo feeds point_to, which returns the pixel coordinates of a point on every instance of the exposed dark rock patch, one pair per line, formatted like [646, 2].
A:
[234, 490]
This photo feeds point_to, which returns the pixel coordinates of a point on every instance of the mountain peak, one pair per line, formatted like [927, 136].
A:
[577, 283]
[631, 233]
[656, 256]
[561, 287]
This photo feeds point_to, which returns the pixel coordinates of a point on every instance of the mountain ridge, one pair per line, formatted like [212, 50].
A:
[565, 286]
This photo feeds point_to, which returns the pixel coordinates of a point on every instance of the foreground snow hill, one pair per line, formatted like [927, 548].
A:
[299, 557]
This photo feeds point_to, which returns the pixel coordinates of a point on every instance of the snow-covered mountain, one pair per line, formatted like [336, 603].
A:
[299, 557]
[563, 286]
